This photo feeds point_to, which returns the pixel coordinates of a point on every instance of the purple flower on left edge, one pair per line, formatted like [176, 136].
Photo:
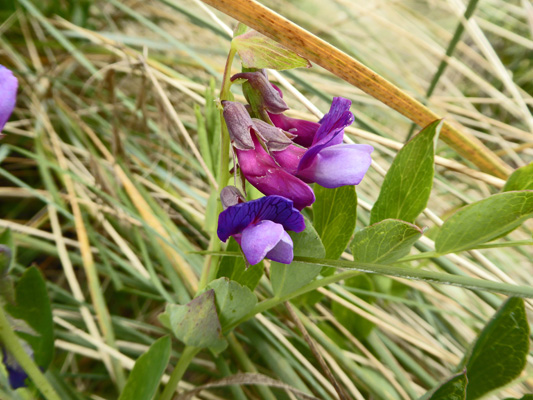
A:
[8, 94]
[328, 161]
[16, 374]
[260, 226]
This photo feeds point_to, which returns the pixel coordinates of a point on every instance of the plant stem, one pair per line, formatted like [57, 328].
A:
[12, 343]
[182, 365]
[210, 269]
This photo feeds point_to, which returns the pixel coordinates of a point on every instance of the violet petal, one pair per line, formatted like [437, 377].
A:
[280, 210]
[16, 374]
[334, 122]
[282, 252]
[339, 165]
[258, 239]
[8, 94]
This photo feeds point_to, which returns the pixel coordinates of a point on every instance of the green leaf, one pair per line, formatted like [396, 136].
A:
[33, 307]
[195, 323]
[287, 278]
[358, 326]
[499, 353]
[6, 251]
[203, 140]
[407, 185]
[484, 221]
[521, 179]
[422, 275]
[384, 242]
[212, 122]
[334, 217]
[234, 268]
[259, 51]
[453, 389]
[147, 372]
[233, 300]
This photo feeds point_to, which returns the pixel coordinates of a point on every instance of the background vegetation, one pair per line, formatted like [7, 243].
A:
[102, 186]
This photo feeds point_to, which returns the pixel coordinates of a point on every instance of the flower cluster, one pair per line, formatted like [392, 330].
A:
[8, 94]
[280, 156]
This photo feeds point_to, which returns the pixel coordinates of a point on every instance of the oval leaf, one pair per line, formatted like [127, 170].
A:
[33, 307]
[499, 354]
[384, 242]
[521, 179]
[287, 278]
[147, 372]
[334, 217]
[195, 323]
[259, 51]
[453, 389]
[407, 185]
[484, 221]
[232, 300]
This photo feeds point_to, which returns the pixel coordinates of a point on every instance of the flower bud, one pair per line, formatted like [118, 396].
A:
[230, 196]
[263, 95]
[239, 125]
[276, 139]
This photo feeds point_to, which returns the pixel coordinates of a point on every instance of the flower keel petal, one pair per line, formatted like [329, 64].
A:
[258, 239]
[282, 252]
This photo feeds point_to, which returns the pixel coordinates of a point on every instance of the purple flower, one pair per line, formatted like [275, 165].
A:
[328, 162]
[260, 169]
[8, 94]
[16, 374]
[260, 226]
[304, 130]
[257, 166]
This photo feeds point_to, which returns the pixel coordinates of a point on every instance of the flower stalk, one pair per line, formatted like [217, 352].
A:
[210, 269]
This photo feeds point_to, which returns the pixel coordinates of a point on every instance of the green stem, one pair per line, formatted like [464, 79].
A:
[274, 301]
[182, 365]
[12, 343]
[210, 269]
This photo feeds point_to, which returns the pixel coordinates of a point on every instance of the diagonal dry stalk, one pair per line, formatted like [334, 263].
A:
[342, 65]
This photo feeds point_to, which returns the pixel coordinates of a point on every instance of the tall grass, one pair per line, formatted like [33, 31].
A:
[104, 187]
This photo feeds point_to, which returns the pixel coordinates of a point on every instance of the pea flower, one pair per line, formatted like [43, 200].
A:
[270, 99]
[259, 226]
[8, 94]
[257, 166]
[328, 162]
[16, 374]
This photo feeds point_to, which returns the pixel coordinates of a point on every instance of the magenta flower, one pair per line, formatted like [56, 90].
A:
[305, 131]
[260, 169]
[260, 226]
[328, 162]
[8, 94]
[257, 166]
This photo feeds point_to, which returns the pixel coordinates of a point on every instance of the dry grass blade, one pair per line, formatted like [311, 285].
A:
[342, 65]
